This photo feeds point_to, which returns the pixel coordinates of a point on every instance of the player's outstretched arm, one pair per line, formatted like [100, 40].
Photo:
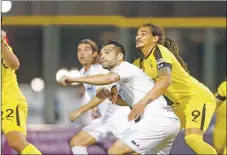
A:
[91, 104]
[101, 79]
[9, 59]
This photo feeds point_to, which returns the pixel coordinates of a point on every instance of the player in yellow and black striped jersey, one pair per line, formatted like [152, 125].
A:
[193, 102]
[14, 106]
[219, 137]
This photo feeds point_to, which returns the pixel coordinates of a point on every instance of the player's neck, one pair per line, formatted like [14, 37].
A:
[147, 50]
[86, 67]
[117, 64]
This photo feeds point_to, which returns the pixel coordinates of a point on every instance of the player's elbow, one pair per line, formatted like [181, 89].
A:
[112, 79]
[15, 65]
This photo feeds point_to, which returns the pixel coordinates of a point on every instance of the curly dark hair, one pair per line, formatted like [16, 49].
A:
[166, 41]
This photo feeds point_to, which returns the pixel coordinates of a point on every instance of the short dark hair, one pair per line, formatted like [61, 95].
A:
[90, 42]
[117, 44]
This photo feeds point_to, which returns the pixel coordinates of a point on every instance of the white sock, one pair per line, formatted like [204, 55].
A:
[79, 150]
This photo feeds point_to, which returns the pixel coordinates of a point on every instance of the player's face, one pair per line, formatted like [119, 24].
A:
[108, 57]
[85, 54]
[144, 37]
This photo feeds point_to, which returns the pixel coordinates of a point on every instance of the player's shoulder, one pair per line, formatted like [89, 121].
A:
[128, 67]
[160, 50]
[97, 68]
[223, 85]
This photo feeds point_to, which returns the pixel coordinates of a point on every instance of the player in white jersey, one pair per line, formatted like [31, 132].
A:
[98, 128]
[158, 125]
[87, 52]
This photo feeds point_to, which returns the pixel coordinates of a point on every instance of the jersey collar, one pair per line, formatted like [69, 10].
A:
[152, 50]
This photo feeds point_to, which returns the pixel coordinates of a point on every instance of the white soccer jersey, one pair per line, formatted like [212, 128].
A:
[134, 84]
[158, 127]
[105, 107]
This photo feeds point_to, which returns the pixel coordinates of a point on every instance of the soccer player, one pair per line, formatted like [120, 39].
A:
[158, 126]
[193, 102]
[219, 137]
[14, 105]
[96, 130]
[87, 54]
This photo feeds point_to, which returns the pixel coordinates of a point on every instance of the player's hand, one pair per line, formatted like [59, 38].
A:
[103, 93]
[63, 80]
[95, 113]
[74, 115]
[136, 112]
[114, 95]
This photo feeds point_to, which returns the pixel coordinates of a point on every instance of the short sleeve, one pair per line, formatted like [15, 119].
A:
[221, 92]
[163, 57]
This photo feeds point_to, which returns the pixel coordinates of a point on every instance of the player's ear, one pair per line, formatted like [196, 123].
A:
[95, 54]
[120, 56]
[155, 39]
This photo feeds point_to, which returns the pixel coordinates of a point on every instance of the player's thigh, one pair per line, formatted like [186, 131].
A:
[120, 147]
[96, 129]
[198, 114]
[83, 138]
[219, 136]
[178, 109]
[14, 116]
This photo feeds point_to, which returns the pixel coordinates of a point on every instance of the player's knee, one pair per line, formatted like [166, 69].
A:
[82, 139]
[74, 141]
[192, 138]
[114, 150]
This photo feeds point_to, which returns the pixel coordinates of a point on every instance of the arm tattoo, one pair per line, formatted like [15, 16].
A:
[165, 71]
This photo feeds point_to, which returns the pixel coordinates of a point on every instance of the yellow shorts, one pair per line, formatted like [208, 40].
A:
[195, 112]
[14, 116]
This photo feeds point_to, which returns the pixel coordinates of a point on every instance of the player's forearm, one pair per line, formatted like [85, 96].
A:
[101, 79]
[158, 89]
[95, 101]
[9, 59]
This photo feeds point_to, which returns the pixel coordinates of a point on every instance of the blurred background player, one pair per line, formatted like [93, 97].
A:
[193, 102]
[14, 105]
[87, 54]
[219, 137]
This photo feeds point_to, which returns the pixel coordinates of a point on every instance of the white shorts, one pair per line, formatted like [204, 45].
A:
[115, 124]
[153, 136]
